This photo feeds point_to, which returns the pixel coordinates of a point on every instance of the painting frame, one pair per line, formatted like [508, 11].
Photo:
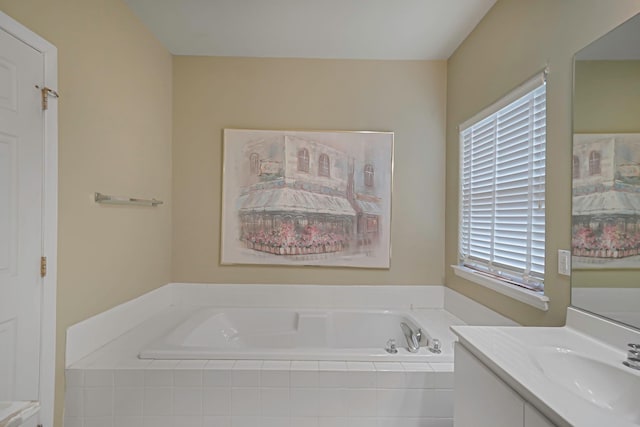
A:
[605, 214]
[307, 198]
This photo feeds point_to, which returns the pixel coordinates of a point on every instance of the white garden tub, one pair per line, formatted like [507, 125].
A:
[289, 334]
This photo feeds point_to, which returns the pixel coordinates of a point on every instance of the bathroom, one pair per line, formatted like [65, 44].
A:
[135, 120]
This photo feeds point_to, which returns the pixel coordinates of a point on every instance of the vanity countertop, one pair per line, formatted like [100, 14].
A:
[514, 354]
[13, 414]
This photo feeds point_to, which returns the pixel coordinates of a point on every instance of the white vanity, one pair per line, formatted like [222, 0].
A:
[19, 414]
[541, 377]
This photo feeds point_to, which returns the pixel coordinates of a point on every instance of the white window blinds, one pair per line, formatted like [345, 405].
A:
[502, 187]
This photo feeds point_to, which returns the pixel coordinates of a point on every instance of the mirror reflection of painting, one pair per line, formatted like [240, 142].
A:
[317, 198]
[606, 200]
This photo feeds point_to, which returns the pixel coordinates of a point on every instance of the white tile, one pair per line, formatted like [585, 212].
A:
[407, 402]
[333, 402]
[128, 401]
[187, 401]
[364, 422]
[361, 366]
[414, 422]
[73, 421]
[246, 373]
[304, 421]
[275, 402]
[304, 365]
[332, 379]
[158, 401]
[98, 402]
[361, 379]
[187, 377]
[158, 421]
[335, 422]
[74, 402]
[245, 401]
[306, 378]
[220, 364]
[158, 378]
[275, 422]
[129, 378]
[417, 367]
[245, 421]
[274, 378]
[443, 375]
[98, 422]
[362, 402]
[418, 375]
[276, 365]
[187, 421]
[330, 365]
[442, 367]
[216, 422]
[127, 422]
[216, 377]
[390, 375]
[98, 378]
[304, 402]
[74, 377]
[248, 365]
[216, 401]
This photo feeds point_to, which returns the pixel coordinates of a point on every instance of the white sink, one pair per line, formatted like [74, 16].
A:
[13, 414]
[605, 385]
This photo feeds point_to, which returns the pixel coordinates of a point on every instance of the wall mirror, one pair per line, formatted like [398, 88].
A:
[605, 242]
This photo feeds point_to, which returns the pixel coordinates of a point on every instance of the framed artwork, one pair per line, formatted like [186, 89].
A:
[606, 201]
[307, 198]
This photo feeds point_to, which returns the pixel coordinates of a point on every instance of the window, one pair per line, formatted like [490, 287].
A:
[594, 163]
[368, 175]
[254, 163]
[303, 160]
[576, 167]
[502, 193]
[323, 165]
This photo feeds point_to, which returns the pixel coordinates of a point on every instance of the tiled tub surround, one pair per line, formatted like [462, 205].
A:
[112, 387]
[261, 393]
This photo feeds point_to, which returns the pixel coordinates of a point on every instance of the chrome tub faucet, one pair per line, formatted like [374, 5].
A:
[413, 338]
[633, 357]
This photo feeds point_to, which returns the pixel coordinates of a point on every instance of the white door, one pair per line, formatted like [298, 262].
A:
[21, 182]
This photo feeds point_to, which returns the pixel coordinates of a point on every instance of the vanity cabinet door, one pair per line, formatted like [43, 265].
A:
[533, 418]
[481, 398]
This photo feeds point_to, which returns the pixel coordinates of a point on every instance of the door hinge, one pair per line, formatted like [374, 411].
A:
[43, 266]
[46, 93]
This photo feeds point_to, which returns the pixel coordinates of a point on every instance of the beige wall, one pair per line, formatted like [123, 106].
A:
[607, 97]
[216, 93]
[114, 137]
[516, 39]
[606, 100]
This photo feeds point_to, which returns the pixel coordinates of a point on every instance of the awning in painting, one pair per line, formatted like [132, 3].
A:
[293, 200]
[370, 208]
[607, 203]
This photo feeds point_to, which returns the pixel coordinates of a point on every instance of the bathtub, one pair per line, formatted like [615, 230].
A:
[290, 334]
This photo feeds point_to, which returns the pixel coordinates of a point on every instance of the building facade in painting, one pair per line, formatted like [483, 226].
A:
[301, 196]
[606, 196]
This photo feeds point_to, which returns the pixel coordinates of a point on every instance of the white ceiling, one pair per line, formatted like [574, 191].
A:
[356, 29]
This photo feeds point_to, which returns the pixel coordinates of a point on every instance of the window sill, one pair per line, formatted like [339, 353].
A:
[534, 299]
